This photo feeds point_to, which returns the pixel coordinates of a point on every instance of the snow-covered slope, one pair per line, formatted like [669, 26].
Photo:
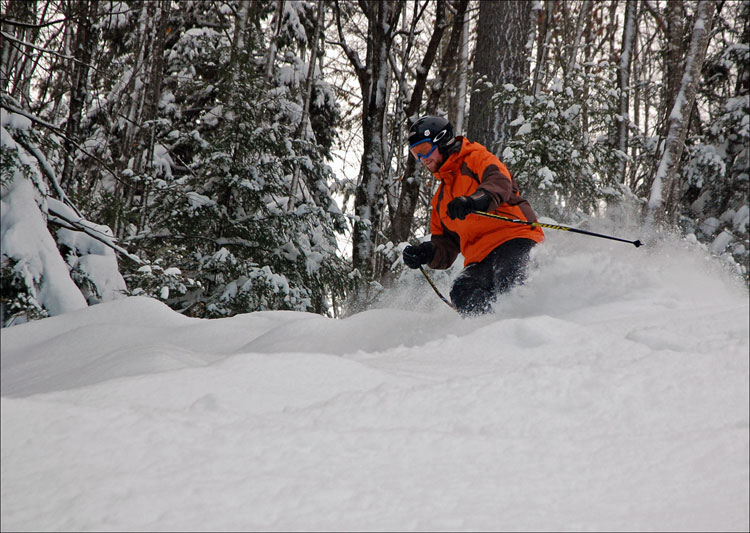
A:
[608, 393]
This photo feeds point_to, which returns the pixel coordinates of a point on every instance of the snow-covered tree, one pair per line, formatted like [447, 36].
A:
[563, 166]
[716, 164]
[666, 188]
[52, 259]
[246, 216]
[202, 139]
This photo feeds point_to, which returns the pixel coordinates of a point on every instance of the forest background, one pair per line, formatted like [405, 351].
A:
[228, 157]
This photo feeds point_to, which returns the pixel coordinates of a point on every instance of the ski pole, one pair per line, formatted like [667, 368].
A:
[437, 291]
[555, 226]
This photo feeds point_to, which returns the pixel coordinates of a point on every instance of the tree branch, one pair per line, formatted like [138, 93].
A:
[657, 16]
[350, 54]
[29, 24]
[55, 217]
[62, 134]
[46, 50]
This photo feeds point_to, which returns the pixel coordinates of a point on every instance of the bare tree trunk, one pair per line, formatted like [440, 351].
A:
[542, 46]
[151, 108]
[16, 58]
[143, 92]
[382, 25]
[666, 190]
[584, 32]
[673, 59]
[239, 55]
[449, 85]
[502, 33]
[463, 65]
[134, 91]
[410, 186]
[623, 83]
[83, 48]
[583, 18]
[672, 69]
[636, 108]
[449, 60]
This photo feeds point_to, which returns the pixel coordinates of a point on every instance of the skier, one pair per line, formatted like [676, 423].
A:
[496, 253]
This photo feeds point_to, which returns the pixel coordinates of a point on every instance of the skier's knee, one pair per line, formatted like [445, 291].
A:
[471, 301]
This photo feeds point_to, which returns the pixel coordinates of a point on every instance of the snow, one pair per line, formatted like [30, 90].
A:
[197, 200]
[525, 129]
[721, 242]
[609, 393]
[548, 178]
[162, 160]
[679, 104]
[292, 23]
[114, 15]
[741, 218]
[710, 225]
[572, 112]
[24, 239]
[14, 121]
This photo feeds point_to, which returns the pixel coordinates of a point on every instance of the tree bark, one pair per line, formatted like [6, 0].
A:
[623, 83]
[583, 18]
[15, 57]
[666, 190]
[673, 57]
[142, 93]
[151, 108]
[543, 36]
[373, 75]
[411, 185]
[85, 42]
[464, 71]
[502, 33]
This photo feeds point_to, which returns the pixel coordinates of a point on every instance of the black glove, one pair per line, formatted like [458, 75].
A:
[459, 207]
[415, 256]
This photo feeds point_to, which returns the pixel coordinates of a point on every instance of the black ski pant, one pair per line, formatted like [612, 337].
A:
[476, 288]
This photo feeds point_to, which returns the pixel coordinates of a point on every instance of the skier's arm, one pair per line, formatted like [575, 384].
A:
[496, 183]
[447, 244]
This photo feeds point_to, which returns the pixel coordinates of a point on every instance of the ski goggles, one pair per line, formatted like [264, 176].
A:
[422, 149]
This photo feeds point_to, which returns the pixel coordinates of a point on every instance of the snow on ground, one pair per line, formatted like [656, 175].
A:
[610, 393]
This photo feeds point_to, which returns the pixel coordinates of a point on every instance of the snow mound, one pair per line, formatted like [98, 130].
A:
[609, 393]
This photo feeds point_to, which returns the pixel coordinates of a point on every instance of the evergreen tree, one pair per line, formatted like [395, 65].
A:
[565, 168]
[250, 224]
[205, 153]
[52, 260]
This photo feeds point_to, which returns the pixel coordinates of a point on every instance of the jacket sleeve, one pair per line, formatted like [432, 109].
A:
[447, 244]
[495, 180]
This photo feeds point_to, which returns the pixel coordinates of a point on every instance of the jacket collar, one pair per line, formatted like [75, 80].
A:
[452, 160]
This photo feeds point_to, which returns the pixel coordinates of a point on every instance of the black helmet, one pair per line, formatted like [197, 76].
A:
[437, 129]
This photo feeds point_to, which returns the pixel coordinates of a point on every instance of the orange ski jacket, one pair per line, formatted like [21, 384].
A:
[466, 170]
